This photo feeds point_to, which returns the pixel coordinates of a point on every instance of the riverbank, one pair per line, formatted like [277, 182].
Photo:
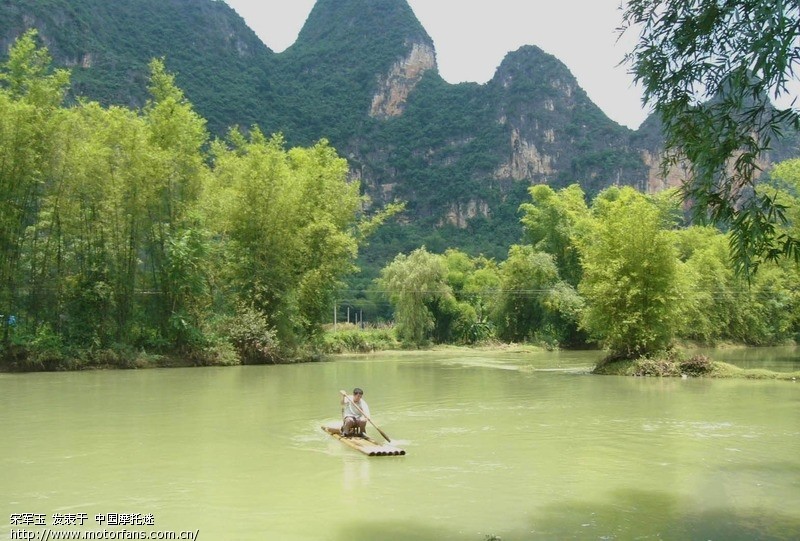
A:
[680, 363]
[20, 360]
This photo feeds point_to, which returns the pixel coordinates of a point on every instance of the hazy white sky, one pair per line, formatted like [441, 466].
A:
[472, 37]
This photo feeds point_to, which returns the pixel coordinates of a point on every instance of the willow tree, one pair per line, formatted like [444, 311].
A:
[416, 284]
[711, 69]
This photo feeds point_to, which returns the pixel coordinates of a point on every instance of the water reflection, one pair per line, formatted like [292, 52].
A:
[355, 472]
[777, 359]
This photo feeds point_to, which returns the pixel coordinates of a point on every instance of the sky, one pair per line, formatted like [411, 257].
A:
[471, 38]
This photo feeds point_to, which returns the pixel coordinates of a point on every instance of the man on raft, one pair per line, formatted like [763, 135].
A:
[355, 413]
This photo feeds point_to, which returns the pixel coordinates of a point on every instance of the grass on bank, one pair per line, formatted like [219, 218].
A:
[349, 338]
[37, 359]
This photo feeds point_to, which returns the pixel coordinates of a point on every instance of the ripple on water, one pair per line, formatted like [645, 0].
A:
[699, 429]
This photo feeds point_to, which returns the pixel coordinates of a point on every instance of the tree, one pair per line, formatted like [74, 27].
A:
[289, 223]
[416, 284]
[713, 289]
[710, 69]
[28, 74]
[176, 247]
[118, 230]
[479, 290]
[86, 241]
[551, 221]
[630, 279]
[30, 98]
[532, 297]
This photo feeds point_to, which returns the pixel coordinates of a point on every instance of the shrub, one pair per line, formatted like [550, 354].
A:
[655, 367]
[44, 351]
[359, 341]
[219, 353]
[253, 338]
[699, 365]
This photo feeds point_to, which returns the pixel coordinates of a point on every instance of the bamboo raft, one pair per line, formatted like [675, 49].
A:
[365, 445]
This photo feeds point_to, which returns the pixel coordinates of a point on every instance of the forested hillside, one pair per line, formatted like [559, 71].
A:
[361, 74]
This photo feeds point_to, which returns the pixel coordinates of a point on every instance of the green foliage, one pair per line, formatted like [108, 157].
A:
[352, 340]
[120, 231]
[533, 303]
[109, 46]
[187, 275]
[28, 75]
[29, 137]
[45, 349]
[630, 279]
[124, 231]
[416, 285]
[714, 290]
[786, 175]
[330, 72]
[644, 278]
[441, 298]
[253, 337]
[710, 68]
[290, 218]
[552, 223]
[475, 283]
[447, 151]
[722, 306]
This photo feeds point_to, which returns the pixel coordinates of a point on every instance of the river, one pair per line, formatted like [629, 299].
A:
[523, 446]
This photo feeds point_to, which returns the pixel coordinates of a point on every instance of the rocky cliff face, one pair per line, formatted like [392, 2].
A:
[656, 180]
[525, 161]
[395, 87]
[556, 134]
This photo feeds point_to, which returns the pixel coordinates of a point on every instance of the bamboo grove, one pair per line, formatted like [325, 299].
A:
[626, 271]
[127, 231]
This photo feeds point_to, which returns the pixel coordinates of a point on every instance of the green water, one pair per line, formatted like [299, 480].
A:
[521, 446]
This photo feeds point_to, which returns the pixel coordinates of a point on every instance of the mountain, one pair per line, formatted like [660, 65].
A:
[220, 62]
[362, 74]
